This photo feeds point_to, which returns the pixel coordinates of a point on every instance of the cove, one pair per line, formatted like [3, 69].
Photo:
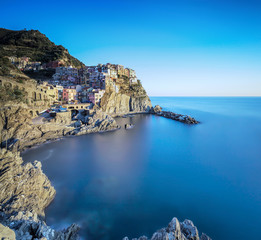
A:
[132, 182]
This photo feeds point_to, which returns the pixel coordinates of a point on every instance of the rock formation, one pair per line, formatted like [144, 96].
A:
[98, 121]
[157, 109]
[20, 132]
[129, 126]
[25, 193]
[24, 188]
[176, 231]
[122, 98]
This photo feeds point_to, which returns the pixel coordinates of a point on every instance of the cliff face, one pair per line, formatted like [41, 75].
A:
[19, 128]
[25, 192]
[24, 188]
[123, 98]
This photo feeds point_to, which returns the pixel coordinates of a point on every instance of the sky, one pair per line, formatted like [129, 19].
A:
[178, 47]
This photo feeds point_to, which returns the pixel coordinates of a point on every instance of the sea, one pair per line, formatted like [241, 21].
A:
[133, 182]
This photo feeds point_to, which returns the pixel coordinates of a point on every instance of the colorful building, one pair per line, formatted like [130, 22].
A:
[96, 95]
[69, 94]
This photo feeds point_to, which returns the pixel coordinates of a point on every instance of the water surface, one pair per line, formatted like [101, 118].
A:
[132, 182]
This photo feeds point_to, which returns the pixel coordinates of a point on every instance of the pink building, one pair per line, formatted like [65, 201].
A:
[69, 94]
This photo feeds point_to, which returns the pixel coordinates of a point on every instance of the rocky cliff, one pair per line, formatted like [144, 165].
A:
[122, 98]
[19, 130]
[24, 188]
[25, 192]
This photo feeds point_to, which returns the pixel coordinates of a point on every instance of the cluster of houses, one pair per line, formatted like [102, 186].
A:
[72, 85]
[88, 84]
[25, 64]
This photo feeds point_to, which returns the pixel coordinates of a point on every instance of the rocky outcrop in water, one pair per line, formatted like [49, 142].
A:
[98, 121]
[176, 231]
[157, 110]
[129, 126]
[28, 230]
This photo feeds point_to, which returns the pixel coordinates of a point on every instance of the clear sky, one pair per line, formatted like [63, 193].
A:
[178, 47]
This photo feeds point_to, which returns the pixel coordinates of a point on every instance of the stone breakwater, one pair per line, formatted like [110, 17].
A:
[157, 110]
[176, 231]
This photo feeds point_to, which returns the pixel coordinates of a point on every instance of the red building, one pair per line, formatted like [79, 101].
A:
[54, 64]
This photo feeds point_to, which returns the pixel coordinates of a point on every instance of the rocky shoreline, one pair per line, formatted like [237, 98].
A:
[21, 133]
[25, 193]
[25, 189]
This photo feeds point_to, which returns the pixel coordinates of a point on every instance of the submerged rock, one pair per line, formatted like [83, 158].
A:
[176, 231]
[129, 126]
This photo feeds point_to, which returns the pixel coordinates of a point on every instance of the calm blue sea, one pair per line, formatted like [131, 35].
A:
[132, 182]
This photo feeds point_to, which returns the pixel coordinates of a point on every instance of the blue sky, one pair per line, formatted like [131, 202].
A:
[178, 47]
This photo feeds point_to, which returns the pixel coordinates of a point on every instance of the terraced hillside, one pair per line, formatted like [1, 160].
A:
[35, 45]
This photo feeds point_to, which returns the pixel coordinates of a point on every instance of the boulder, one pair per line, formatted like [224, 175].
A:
[129, 126]
[157, 109]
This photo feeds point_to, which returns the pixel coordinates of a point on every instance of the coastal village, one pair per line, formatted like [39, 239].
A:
[70, 85]
[45, 99]
[70, 88]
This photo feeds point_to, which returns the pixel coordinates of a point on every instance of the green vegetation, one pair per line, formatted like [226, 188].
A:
[9, 94]
[34, 45]
[5, 66]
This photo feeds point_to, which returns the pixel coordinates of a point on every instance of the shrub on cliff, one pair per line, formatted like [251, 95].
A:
[9, 94]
